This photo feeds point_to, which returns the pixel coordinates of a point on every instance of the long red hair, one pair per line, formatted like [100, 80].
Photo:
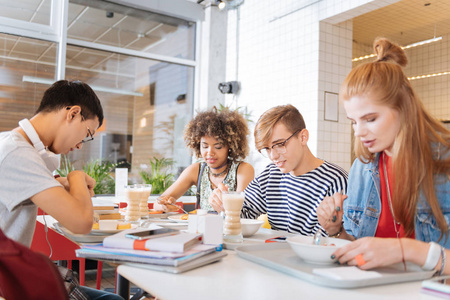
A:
[416, 159]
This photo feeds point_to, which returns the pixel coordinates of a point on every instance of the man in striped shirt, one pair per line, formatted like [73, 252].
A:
[290, 189]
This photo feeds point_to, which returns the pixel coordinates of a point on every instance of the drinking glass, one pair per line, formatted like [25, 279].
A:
[145, 190]
[232, 203]
[132, 197]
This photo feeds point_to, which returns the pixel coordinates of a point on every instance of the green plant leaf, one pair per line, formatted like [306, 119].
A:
[159, 175]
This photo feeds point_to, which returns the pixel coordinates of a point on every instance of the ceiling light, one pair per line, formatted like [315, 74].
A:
[405, 47]
[94, 87]
[228, 4]
[428, 75]
[221, 5]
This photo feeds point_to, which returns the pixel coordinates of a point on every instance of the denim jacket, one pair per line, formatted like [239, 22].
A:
[363, 206]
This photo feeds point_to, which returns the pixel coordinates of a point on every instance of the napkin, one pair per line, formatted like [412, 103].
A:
[346, 273]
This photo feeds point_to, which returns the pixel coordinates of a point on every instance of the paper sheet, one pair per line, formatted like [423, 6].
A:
[346, 273]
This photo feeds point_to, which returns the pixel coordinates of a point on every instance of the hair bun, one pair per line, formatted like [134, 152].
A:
[386, 50]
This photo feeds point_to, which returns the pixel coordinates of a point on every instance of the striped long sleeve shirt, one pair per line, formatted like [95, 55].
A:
[291, 201]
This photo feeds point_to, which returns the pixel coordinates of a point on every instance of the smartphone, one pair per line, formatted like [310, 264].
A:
[441, 284]
[152, 233]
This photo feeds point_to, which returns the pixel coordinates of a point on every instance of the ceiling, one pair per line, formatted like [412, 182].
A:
[405, 22]
[99, 22]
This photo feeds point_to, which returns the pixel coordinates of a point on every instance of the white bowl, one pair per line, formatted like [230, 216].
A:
[315, 254]
[250, 226]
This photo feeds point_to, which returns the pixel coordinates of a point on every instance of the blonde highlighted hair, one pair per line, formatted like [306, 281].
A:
[415, 162]
[283, 114]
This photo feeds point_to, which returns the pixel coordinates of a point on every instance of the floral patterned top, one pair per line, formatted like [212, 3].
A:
[205, 184]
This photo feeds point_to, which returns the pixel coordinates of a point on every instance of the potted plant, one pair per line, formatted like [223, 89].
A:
[159, 175]
[100, 171]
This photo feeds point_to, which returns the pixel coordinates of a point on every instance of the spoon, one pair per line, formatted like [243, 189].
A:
[179, 208]
[317, 236]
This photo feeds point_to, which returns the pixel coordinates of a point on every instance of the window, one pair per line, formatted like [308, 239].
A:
[139, 63]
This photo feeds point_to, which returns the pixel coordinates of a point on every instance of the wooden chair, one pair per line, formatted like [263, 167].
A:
[62, 249]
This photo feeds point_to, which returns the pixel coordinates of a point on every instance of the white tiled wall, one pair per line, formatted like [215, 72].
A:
[423, 60]
[292, 51]
[433, 91]
[334, 138]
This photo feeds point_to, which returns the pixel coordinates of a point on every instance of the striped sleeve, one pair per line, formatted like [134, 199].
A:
[291, 201]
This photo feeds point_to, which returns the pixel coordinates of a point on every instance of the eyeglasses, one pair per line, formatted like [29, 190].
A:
[280, 148]
[91, 136]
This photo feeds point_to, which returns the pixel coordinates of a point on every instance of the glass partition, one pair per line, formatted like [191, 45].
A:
[146, 104]
[115, 25]
[33, 11]
[22, 58]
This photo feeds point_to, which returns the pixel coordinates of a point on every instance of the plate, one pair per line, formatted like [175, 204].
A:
[111, 231]
[80, 238]
[177, 218]
[105, 232]
[162, 215]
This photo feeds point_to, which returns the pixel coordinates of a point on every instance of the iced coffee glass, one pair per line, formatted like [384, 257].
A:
[132, 197]
[232, 203]
[145, 190]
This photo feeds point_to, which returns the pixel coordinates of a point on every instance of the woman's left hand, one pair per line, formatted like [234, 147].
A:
[369, 252]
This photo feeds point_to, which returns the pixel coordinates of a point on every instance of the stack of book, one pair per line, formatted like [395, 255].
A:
[174, 254]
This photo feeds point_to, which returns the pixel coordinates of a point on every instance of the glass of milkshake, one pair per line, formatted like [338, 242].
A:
[232, 203]
[145, 190]
[132, 197]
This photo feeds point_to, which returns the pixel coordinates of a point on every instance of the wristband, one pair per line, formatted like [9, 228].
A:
[443, 258]
[434, 253]
[337, 234]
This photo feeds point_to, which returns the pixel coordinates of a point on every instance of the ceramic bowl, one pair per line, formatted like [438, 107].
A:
[315, 254]
[250, 226]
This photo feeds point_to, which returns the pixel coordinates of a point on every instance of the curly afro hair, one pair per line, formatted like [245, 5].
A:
[227, 126]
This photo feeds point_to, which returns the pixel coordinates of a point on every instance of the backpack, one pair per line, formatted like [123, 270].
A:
[25, 274]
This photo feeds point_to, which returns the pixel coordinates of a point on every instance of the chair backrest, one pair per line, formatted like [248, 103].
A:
[25, 274]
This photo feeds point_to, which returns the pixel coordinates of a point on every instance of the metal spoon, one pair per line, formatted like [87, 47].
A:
[179, 208]
[318, 236]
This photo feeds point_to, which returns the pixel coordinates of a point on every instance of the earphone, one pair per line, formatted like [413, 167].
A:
[51, 159]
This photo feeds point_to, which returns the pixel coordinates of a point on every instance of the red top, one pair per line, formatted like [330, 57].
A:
[385, 227]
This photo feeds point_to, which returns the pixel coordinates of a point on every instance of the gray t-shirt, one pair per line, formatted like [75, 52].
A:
[23, 174]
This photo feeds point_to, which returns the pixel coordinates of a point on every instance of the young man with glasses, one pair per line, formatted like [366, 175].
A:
[290, 189]
[67, 117]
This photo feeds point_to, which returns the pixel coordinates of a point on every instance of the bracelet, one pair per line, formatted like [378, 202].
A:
[336, 235]
[403, 255]
[443, 258]
[432, 257]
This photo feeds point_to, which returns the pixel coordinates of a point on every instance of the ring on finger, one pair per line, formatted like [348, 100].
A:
[360, 260]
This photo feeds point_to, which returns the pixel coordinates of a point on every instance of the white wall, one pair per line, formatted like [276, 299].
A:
[292, 51]
[434, 91]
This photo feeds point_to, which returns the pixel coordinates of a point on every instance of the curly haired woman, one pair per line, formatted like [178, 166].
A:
[219, 138]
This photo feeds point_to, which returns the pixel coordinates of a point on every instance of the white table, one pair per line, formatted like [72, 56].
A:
[236, 278]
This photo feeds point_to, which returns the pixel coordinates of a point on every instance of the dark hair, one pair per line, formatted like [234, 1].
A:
[287, 115]
[227, 126]
[65, 93]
